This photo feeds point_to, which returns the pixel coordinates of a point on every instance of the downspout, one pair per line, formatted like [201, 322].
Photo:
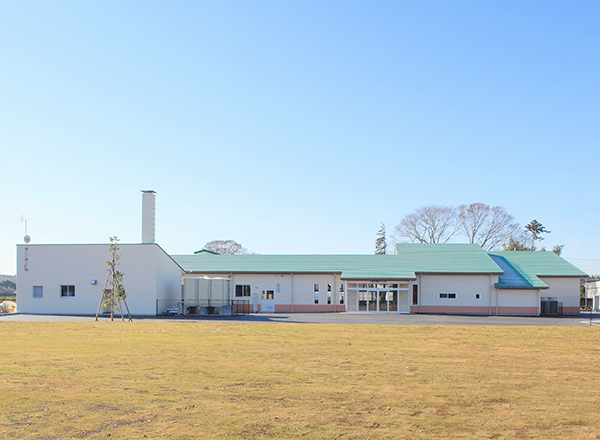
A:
[333, 295]
[490, 297]
[496, 301]
[292, 275]
[231, 292]
[420, 293]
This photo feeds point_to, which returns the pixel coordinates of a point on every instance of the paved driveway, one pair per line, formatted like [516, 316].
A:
[345, 318]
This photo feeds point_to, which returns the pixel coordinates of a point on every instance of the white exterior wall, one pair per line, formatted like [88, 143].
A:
[464, 286]
[518, 302]
[295, 293]
[565, 290]
[592, 290]
[149, 274]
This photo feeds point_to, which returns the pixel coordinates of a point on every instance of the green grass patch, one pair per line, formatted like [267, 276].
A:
[183, 380]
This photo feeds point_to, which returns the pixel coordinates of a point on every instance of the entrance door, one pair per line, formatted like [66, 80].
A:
[268, 301]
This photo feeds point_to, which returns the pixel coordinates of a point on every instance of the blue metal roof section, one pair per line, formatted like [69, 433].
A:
[513, 278]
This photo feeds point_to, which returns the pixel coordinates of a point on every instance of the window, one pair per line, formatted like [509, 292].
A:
[477, 296]
[268, 294]
[38, 291]
[328, 293]
[448, 295]
[341, 294]
[242, 290]
[415, 295]
[316, 290]
[67, 291]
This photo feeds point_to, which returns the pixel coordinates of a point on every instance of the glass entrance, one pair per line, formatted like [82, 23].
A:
[378, 297]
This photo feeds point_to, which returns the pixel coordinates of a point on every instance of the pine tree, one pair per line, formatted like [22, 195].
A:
[558, 249]
[380, 241]
[535, 228]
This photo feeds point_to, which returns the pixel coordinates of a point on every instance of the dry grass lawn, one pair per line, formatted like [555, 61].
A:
[182, 380]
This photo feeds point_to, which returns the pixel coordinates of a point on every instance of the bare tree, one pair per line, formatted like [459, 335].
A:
[225, 247]
[429, 224]
[488, 227]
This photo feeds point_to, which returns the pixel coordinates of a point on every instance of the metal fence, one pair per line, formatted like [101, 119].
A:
[166, 307]
[586, 303]
[551, 308]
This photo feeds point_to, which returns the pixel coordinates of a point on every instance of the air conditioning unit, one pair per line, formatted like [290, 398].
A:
[551, 307]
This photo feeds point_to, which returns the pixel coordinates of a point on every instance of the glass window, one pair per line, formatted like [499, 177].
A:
[38, 291]
[372, 297]
[382, 301]
[268, 294]
[393, 301]
[341, 294]
[415, 295]
[242, 290]
[316, 290]
[448, 295]
[362, 300]
[67, 291]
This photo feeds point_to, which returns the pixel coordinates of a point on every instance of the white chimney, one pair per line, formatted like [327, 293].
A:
[148, 216]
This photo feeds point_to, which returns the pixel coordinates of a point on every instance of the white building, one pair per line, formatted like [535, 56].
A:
[419, 278]
[68, 279]
[592, 291]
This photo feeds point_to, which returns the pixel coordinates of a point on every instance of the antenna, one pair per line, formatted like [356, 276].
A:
[27, 238]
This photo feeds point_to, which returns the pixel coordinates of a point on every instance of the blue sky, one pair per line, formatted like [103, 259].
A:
[296, 127]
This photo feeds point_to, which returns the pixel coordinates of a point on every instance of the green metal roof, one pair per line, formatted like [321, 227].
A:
[206, 251]
[522, 269]
[358, 267]
[515, 269]
[451, 258]
[410, 259]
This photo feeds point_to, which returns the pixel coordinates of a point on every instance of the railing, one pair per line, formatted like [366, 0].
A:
[203, 307]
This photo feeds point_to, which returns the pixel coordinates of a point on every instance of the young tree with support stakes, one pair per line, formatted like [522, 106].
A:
[112, 298]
